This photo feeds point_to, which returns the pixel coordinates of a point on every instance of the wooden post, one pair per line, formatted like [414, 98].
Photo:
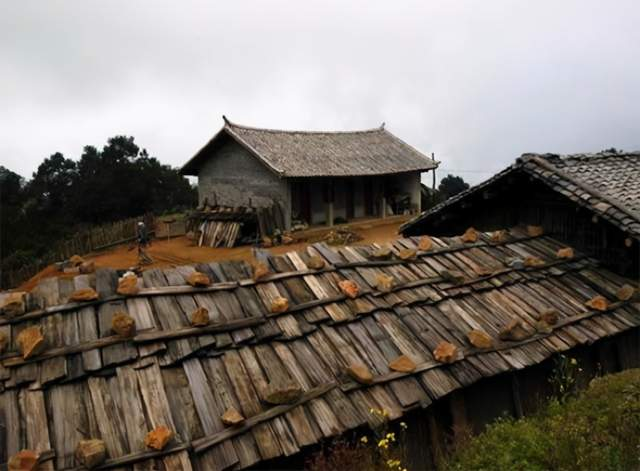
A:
[384, 200]
[328, 192]
[515, 391]
[436, 437]
[418, 195]
[433, 157]
[460, 423]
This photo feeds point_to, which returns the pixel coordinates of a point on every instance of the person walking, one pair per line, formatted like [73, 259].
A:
[143, 241]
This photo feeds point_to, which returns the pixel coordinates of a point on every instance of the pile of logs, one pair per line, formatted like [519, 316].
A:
[224, 226]
[219, 233]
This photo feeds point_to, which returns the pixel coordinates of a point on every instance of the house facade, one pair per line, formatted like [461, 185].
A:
[589, 201]
[315, 177]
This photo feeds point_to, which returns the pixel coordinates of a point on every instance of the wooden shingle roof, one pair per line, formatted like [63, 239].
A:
[607, 184]
[320, 153]
[90, 383]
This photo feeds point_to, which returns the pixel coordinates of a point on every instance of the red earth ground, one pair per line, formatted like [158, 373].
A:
[182, 251]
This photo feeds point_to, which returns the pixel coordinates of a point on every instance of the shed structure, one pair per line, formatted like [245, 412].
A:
[315, 176]
[590, 201]
[90, 383]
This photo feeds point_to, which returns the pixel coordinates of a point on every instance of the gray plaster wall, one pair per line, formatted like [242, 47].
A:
[231, 176]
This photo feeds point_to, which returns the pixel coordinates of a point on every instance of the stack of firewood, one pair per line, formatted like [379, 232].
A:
[219, 233]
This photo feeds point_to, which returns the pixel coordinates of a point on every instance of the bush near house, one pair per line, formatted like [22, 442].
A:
[599, 429]
[380, 449]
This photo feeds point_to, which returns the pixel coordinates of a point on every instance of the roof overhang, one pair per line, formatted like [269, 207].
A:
[538, 168]
[193, 166]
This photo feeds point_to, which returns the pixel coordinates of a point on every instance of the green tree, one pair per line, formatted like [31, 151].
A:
[123, 181]
[451, 185]
[52, 186]
[12, 196]
[63, 196]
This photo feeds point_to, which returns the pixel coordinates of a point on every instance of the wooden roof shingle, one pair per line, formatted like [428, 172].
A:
[90, 383]
[606, 183]
[321, 153]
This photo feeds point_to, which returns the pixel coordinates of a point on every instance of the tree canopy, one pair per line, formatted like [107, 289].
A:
[64, 195]
[451, 185]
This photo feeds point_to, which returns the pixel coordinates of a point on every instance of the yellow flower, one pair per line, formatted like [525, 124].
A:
[391, 436]
[364, 439]
[403, 425]
[384, 443]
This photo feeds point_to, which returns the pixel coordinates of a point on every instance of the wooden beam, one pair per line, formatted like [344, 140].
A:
[459, 420]
[515, 393]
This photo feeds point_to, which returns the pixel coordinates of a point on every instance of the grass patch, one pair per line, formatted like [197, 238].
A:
[599, 429]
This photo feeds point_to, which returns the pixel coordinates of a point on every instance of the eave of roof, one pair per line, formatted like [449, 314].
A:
[540, 166]
[185, 377]
[416, 163]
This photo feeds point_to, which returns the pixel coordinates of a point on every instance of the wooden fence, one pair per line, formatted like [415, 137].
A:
[83, 242]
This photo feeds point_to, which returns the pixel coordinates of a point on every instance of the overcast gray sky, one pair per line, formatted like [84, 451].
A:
[476, 82]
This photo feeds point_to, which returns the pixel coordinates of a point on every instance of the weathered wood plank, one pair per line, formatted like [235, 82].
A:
[71, 420]
[244, 444]
[210, 412]
[250, 404]
[104, 407]
[170, 316]
[158, 410]
[13, 434]
[36, 423]
[133, 416]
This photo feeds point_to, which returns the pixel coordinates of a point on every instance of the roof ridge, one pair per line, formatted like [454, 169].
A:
[230, 124]
[580, 155]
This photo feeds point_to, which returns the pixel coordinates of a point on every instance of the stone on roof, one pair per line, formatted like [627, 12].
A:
[183, 379]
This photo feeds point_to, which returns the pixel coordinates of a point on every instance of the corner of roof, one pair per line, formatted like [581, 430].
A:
[192, 165]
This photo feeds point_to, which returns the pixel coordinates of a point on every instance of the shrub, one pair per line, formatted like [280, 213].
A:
[599, 429]
[380, 450]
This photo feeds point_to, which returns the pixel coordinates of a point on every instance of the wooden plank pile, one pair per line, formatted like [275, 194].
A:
[362, 327]
[271, 220]
[218, 233]
[223, 226]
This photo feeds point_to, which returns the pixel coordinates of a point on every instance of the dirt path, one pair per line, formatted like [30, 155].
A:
[181, 251]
